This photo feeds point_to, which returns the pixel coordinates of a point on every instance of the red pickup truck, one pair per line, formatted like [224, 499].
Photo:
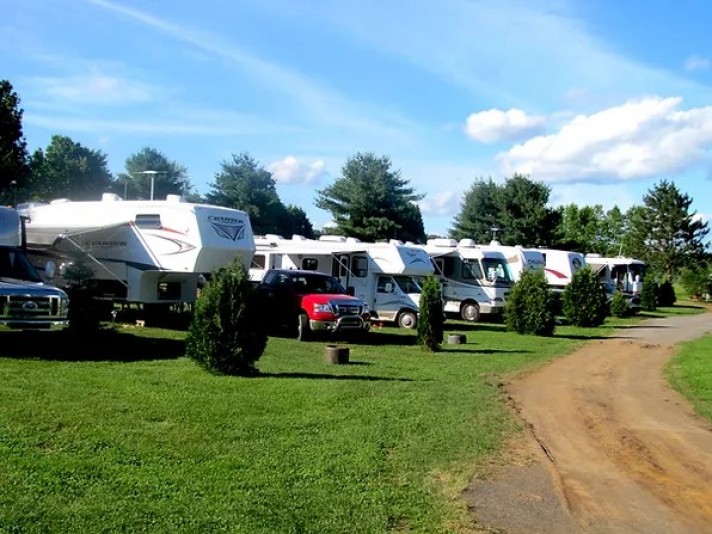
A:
[308, 301]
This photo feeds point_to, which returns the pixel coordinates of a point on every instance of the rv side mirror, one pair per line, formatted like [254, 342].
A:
[351, 290]
[389, 287]
[49, 271]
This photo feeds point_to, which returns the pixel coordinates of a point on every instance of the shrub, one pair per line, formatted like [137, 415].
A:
[430, 319]
[84, 313]
[619, 305]
[226, 335]
[665, 294]
[696, 281]
[648, 294]
[529, 308]
[585, 302]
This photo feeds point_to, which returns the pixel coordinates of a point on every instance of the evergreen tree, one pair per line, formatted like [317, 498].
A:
[479, 212]
[13, 148]
[371, 202]
[530, 305]
[430, 317]
[585, 302]
[149, 165]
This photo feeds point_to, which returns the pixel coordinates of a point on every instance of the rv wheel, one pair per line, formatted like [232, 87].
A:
[303, 331]
[407, 319]
[470, 312]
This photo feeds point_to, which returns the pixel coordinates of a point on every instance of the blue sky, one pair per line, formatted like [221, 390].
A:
[597, 98]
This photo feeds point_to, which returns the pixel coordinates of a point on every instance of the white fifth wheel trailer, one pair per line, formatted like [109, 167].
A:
[144, 251]
[560, 267]
[475, 282]
[383, 275]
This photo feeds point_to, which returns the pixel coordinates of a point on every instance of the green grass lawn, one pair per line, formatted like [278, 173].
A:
[124, 434]
[690, 372]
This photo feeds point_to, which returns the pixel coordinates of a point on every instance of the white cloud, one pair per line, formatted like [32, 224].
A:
[704, 217]
[94, 87]
[292, 171]
[496, 125]
[693, 63]
[642, 138]
[443, 203]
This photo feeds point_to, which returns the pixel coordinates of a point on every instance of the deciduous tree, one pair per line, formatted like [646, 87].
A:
[169, 177]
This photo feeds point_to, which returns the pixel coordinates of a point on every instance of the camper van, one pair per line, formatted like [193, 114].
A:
[475, 282]
[383, 275]
[560, 267]
[26, 300]
[145, 251]
[619, 273]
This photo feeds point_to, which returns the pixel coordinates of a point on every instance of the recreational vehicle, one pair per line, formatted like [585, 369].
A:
[518, 258]
[618, 274]
[26, 300]
[475, 282]
[560, 267]
[146, 251]
[383, 275]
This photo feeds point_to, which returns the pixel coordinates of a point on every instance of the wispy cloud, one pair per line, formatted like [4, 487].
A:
[642, 138]
[292, 171]
[441, 203]
[694, 63]
[317, 101]
[93, 87]
[496, 125]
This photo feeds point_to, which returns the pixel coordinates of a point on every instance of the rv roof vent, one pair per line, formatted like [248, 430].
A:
[495, 243]
[334, 238]
[110, 197]
[395, 242]
[593, 255]
[175, 198]
[442, 242]
[467, 243]
[273, 237]
[59, 201]
[353, 240]
[297, 237]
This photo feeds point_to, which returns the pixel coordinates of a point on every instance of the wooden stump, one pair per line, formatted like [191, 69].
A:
[336, 354]
[456, 339]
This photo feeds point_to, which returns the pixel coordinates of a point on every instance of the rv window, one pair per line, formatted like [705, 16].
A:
[385, 284]
[359, 266]
[471, 269]
[340, 266]
[310, 264]
[258, 261]
[148, 220]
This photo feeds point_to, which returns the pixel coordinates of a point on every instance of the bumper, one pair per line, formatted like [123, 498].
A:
[33, 325]
[342, 324]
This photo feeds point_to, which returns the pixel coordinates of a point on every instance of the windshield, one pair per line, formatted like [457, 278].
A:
[14, 264]
[407, 284]
[496, 269]
[637, 269]
[317, 284]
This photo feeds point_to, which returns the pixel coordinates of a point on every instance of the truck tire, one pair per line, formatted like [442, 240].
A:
[407, 319]
[470, 311]
[303, 330]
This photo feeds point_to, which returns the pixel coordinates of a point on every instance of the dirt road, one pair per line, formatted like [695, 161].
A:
[620, 451]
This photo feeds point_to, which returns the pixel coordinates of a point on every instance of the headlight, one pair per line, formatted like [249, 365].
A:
[323, 308]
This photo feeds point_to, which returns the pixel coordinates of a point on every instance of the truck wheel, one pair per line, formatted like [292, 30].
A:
[407, 319]
[303, 330]
[470, 311]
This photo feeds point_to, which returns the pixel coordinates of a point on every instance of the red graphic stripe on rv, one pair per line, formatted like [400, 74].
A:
[556, 273]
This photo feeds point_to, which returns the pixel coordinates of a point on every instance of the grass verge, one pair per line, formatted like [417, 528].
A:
[690, 373]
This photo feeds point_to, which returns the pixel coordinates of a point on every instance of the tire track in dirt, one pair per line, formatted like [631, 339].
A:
[625, 452]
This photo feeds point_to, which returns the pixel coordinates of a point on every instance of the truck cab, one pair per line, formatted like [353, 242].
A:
[307, 302]
[26, 301]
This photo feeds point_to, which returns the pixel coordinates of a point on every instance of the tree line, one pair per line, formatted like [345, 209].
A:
[369, 200]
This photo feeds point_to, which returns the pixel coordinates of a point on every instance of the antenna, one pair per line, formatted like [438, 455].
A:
[494, 230]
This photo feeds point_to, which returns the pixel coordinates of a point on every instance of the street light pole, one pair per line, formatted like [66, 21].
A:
[152, 174]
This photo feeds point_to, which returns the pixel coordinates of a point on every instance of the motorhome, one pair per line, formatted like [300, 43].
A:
[26, 300]
[618, 273]
[518, 258]
[560, 267]
[383, 275]
[145, 251]
[474, 281]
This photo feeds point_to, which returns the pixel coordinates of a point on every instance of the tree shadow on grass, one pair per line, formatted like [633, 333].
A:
[325, 376]
[484, 351]
[104, 345]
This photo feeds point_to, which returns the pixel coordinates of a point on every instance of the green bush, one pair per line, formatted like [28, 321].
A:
[84, 311]
[648, 295]
[665, 294]
[529, 308]
[585, 302]
[430, 317]
[619, 305]
[226, 335]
